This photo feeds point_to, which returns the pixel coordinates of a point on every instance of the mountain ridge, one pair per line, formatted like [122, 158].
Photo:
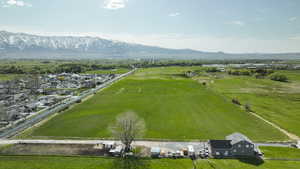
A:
[23, 45]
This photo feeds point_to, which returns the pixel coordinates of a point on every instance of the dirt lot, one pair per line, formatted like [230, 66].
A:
[52, 149]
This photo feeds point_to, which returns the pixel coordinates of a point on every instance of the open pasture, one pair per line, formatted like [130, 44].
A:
[173, 107]
[277, 102]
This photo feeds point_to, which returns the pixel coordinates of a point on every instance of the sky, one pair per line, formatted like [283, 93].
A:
[234, 26]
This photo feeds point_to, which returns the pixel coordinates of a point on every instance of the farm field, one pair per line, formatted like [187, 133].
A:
[275, 101]
[173, 107]
[48, 162]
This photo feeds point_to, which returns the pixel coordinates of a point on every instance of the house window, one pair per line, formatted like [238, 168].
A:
[252, 145]
[217, 153]
[234, 150]
[239, 145]
[247, 146]
[226, 153]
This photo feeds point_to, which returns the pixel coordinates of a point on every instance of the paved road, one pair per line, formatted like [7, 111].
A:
[39, 117]
[167, 145]
[173, 146]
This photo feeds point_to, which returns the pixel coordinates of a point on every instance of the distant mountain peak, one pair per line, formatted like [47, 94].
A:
[23, 45]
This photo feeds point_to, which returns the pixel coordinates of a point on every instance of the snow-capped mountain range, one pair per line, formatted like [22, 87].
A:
[21, 45]
[23, 42]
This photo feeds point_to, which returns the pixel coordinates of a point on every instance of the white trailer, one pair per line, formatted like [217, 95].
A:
[191, 150]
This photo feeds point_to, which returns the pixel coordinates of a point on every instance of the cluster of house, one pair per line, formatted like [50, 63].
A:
[23, 97]
[73, 81]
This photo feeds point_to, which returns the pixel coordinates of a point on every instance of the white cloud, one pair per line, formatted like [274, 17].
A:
[115, 4]
[296, 37]
[238, 23]
[174, 14]
[18, 3]
[292, 19]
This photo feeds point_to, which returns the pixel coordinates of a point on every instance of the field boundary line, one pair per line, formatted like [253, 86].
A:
[290, 135]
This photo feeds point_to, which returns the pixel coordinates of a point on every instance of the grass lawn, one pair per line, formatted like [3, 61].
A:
[247, 164]
[4, 77]
[173, 107]
[275, 101]
[110, 71]
[281, 152]
[36, 162]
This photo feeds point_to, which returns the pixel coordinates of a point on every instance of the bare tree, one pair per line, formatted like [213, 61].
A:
[127, 128]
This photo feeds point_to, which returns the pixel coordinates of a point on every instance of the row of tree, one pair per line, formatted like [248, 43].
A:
[259, 73]
[250, 72]
[59, 68]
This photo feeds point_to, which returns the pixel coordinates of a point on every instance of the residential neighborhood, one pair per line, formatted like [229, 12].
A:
[24, 97]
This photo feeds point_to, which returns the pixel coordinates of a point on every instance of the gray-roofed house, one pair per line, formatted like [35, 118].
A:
[235, 145]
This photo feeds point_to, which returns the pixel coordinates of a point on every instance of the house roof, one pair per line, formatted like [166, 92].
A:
[237, 137]
[220, 144]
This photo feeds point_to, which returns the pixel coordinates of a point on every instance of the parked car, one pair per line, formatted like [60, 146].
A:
[178, 154]
[296, 145]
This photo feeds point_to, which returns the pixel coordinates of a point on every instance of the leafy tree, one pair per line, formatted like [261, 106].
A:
[248, 107]
[279, 77]
[236, 101]
[212, 70]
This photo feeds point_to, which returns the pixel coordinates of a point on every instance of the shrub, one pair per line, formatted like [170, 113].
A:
[190, 74]
[212, 70]
[236, 101]
[279, 77]
[248, 107]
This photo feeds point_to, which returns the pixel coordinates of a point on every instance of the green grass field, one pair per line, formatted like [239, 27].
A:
[38, 162]
[281, 152]
[237, 164]
[174, 107]
[4, 77]
[275, 101]
[31, 162]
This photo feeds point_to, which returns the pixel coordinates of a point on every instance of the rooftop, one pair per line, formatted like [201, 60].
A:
[237, 137]
[220, 144]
